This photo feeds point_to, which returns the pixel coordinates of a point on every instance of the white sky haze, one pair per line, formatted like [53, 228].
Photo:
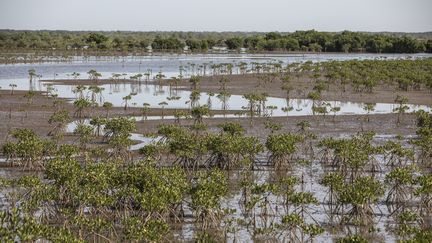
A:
[221, 15]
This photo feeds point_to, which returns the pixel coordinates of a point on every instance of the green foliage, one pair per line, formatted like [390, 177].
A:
[152, 230]
[361, 191]
[28, 149]
[282, 147]
[209, 189]
[199, 112]
[81, 105]
[14, 226]
[232, 128]
[84, 133]
[352, 239]
[309, 40]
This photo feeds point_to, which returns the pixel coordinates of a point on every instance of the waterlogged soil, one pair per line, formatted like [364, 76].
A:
[242, 84]
[88, 81]
[342, 125]
[17, 112]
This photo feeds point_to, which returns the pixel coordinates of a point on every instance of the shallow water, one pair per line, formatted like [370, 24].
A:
[153, 95]
[169, 65]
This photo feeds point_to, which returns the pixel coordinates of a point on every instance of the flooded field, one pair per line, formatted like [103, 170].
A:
[293, 180]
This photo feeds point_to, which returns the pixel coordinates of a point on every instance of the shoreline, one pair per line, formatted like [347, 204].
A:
[241, 84]
[47, 56]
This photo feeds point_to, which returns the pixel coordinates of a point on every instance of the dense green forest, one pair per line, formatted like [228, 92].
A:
[304, 41]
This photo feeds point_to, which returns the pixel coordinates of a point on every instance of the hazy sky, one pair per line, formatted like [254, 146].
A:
[219, 15]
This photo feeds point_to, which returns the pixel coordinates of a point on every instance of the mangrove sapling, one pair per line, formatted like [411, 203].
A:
[107, 106]
[407, 224]
[13, 86]
[400, 182]
[32, 74]
[303, 126]
[327, 151]
[301, 201]
[352, 239]
[334, 181]
[126, 99]
[194, 98]
[194, 81]
[178, 116]
[223, 83]
[199, 112]
[163, 104]
[186, 147]
[320, 110]
[307, 138]
[144, 110]
[360, 195]
[320, 86]
[98, 123]
[151, 230]
[315, 97]
[253, 103]
[281, 148]
[95, 92]
[272, 126]
[209, 99]
[27, 150]
[153, 152]
[229, 151]
[232, 128]
[401, 109]
[396, 155]
[286, 86]
[335, 109]
[94, 75]
[59, 119]
[84, 133]
[287, 109]
[79, 91]
[224, 96]
[115, 195]
[75, 75]
[293, 228]
[424, 138]
[29, 96]
[424, 191]
[262, 214]
[206, 194]
[271, 108]
[117, 132]
[208, 236]
[231, 226]
[261, 107]
[16, 226]
[351, 156]
[81, 105]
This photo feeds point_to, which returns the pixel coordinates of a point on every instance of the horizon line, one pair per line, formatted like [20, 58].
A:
[224, 31]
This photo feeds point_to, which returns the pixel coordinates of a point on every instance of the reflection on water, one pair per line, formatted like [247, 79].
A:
[155, 94]
[169, 64]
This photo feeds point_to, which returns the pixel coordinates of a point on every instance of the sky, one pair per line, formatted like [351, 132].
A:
[220, 15]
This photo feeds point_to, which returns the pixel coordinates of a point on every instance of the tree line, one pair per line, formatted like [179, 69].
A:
[304, 41]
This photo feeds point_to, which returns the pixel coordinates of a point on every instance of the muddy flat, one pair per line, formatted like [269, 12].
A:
[88, 81]
[242, 84]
